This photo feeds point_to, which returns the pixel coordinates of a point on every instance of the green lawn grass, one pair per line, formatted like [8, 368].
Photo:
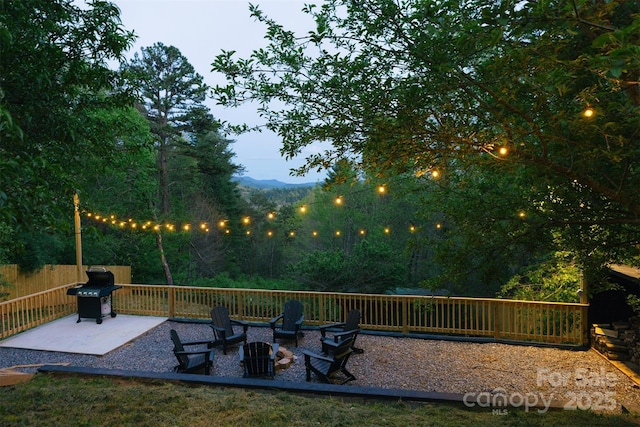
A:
[48, 400]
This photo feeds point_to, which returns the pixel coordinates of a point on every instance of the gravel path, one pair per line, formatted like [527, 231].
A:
[520, 373]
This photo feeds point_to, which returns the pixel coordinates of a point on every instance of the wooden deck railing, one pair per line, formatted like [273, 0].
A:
[544, 322]
[27, 312]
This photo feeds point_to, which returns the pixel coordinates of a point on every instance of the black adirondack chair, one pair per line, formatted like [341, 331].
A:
[223, 330]
[287, 325]
[349, 329]
[258, 359]
[194, 361]
[331, 365]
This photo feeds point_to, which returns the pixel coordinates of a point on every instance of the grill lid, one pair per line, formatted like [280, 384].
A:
[99, 278]
[100, 284]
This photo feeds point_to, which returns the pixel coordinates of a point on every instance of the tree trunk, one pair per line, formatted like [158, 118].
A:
[163, 259]
[164, 177]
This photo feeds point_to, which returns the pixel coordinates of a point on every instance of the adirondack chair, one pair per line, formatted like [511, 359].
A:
[191, 361]
[258, 359]
[332, 362]
[291, 322]
[223, 330]
[335, 332]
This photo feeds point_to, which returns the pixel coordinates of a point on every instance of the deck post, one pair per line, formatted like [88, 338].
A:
[172, 301]
[496, 320]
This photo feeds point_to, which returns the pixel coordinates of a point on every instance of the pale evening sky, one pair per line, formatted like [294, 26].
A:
[201, 29]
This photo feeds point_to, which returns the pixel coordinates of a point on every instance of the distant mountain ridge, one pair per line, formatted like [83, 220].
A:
[268, 183]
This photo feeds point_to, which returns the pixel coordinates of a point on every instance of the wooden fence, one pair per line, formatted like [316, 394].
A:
[15, 284]
[508, 320]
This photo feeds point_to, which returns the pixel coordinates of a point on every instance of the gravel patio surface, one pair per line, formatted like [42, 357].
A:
[582, 378]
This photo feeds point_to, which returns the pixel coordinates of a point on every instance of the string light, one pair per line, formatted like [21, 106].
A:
[203, 227]
[223, 224]
[588, 112]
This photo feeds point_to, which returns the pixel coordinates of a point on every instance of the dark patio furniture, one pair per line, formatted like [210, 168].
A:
[349, 329]
[222, 326]
[259, 359]
[330, 366]
[193, 361]
[290, 322]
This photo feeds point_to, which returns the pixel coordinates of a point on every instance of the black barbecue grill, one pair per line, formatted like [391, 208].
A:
[94, 297]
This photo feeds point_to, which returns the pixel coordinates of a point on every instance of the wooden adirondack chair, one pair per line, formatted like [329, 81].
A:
[291, 322]
[349, 329]
[258, 359]
[223, 331]
[332, 362]
[191, 361]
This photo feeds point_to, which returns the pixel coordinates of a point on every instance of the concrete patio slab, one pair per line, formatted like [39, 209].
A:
[87, 337]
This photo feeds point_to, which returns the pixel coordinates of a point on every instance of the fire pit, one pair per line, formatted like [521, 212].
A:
[284, 358]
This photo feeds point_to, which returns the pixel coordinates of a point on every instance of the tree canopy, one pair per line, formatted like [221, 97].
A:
[545, 91]
[54, 85]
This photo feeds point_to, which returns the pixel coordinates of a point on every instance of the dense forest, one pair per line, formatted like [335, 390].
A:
[489, 151]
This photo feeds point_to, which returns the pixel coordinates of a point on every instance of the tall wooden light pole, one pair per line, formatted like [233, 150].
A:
[76, 204]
